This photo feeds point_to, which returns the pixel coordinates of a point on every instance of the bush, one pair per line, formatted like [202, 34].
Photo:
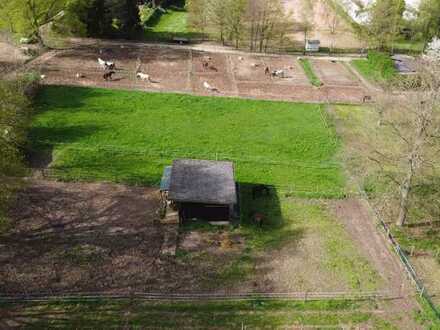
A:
[383, 63]
[14, 120]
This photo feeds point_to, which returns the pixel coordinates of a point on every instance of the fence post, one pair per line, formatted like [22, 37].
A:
[422, 292]
[305, 296]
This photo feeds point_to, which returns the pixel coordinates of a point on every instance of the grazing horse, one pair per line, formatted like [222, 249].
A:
[260, 190]
[367, 98]
[108, 75]
[258, 218]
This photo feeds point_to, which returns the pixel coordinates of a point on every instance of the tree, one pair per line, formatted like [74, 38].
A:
[216, 12]
[307, 24]
[28, 16]
[333, 21]
[197, 14]
[428, 19]
[267, 23]
[385, 21]
[412, 120]
[235, 19]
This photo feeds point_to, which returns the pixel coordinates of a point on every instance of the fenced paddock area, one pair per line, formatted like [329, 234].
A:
[181, 70]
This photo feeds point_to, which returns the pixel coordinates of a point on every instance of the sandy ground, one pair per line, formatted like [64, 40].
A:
[181, 70]
[323, 20]
[10, 56]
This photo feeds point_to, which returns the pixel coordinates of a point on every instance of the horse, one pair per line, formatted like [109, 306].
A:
[108, 75]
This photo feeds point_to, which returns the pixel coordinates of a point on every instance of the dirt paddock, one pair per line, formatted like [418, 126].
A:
[186, 70]
[101, 237]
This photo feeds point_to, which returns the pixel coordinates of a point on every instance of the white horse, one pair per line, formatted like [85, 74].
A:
[143, 76]
[209, 87]
[106, 65]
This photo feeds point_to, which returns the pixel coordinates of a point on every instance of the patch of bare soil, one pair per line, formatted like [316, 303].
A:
[99, 237]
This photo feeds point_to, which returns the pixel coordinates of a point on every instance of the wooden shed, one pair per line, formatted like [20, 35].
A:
[202, 189]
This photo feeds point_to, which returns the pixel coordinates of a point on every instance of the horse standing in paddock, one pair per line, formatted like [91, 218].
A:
[210, 88]
[108, 75]
[143, 76]
[258, 218]
[106, 65]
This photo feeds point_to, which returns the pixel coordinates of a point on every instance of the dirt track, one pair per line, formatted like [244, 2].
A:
[181, 70]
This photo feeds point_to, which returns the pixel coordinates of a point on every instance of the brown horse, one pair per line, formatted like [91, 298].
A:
[108, 75]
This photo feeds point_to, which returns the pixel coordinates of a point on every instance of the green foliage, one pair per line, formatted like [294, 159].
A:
[379, 67]
[428, 19]
[129, 137]
[386, 19]
[27, 16]
[146, 12]
[307, 66]
[14, 120]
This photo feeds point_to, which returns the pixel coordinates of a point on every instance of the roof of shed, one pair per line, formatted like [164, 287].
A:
[202, 181]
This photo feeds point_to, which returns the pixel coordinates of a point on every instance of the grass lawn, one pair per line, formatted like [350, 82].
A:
[205, 315]
[122, 136]
[173, 23]
[378, 68]
[409, 46]
[308, 69]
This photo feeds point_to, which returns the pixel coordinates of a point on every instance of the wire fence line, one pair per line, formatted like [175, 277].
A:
[290, 296]
[403, 258]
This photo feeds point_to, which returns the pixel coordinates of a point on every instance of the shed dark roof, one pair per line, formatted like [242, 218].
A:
[202, 181]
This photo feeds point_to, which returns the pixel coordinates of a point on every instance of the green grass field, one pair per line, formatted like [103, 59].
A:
[378, 68]
[173, 23]
[129, 137]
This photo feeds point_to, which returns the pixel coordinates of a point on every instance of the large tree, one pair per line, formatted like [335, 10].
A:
[385, 21]
[411, 124]
[428, 19]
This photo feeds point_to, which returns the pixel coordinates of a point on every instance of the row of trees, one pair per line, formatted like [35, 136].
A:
[258, 24]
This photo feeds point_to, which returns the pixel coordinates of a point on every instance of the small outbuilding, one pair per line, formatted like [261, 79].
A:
[201, 189]
[313, 45]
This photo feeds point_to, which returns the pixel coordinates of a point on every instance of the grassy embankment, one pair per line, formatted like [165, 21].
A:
[311, 75]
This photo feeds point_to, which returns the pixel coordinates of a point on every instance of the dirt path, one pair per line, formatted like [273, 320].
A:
[355, 216]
